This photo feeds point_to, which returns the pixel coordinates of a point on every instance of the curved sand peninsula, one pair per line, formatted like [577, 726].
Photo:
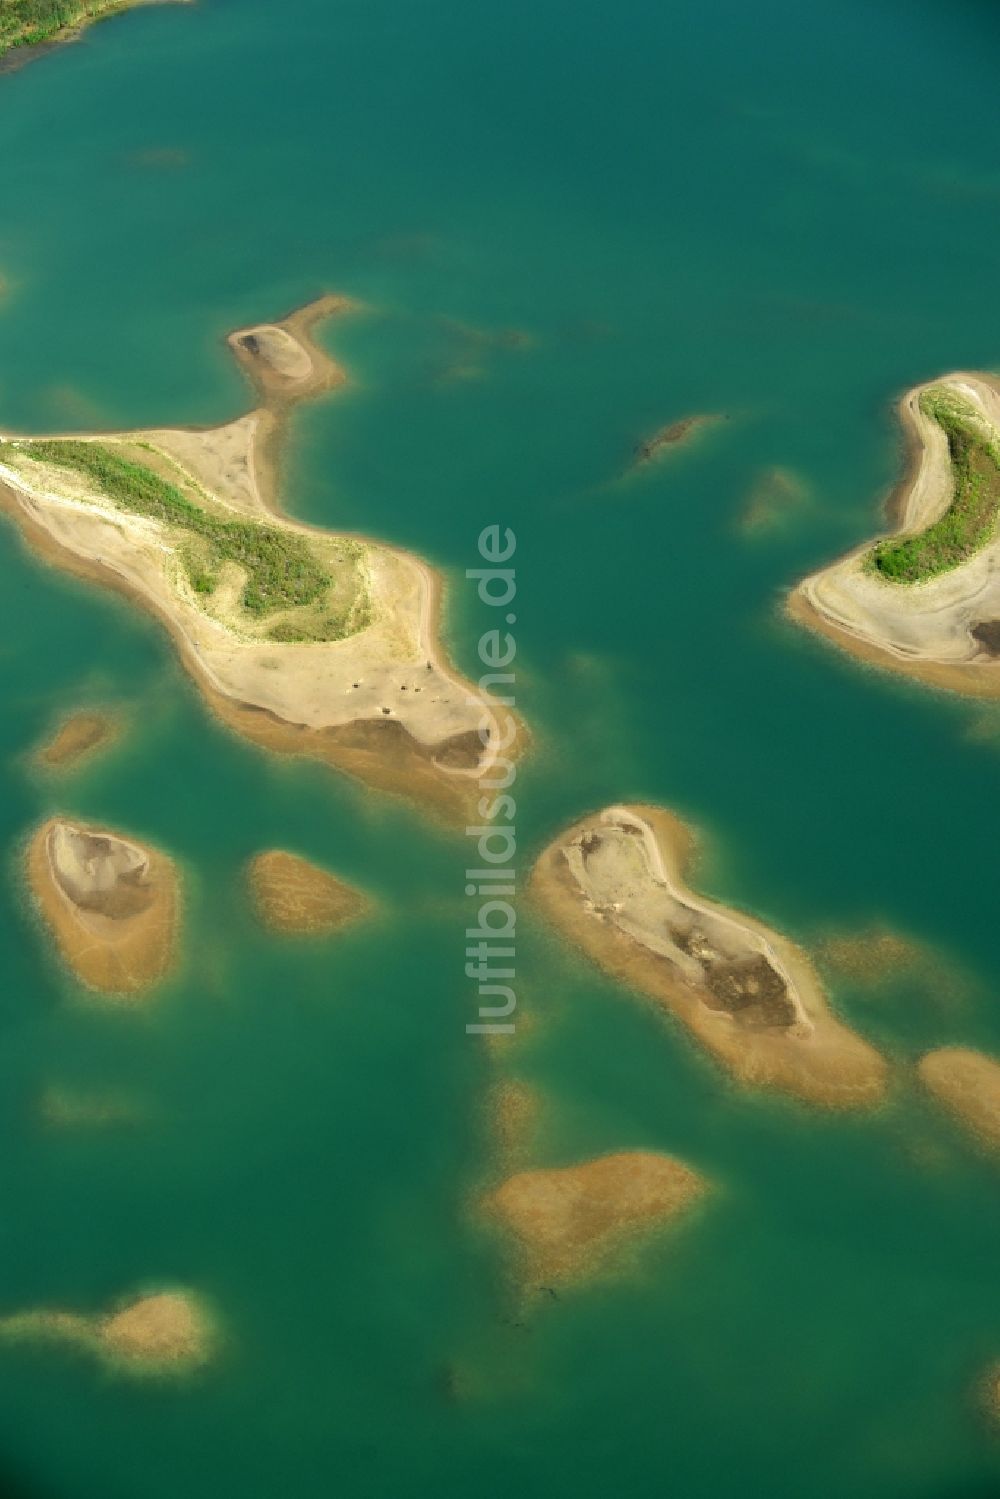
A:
[614, 884]
[76, 738]
[568, 1220]
[163, 1333]
[307, 641]
[295, 897]
[109, 902]
[967, 1083]
[926, 601]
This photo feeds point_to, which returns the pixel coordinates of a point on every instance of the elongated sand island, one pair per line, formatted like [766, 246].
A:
[569, 1221]
[164, 1333]
[925, 600]
[110, 902]
[614, 884]
[967, 1084]
[77, 738]
[305, 640]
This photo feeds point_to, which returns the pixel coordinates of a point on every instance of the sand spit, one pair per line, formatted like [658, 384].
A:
[568, 1221]
[110, 903]
[169, 1332]
[942, 631]
[353, 674]
[614, 884]
[76, 739]
[967, 1083]
[295, 897]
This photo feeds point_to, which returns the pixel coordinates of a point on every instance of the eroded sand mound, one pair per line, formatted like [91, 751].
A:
[163, 1333]
[293, 896]
[614, 885]
[110, 903]
[77, 737]
[568, 1220]
[944, 630]
[968, 1084]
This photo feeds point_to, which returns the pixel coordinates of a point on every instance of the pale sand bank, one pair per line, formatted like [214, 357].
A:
[568, 1221]
[967, 1083]
[76, 738]
[353, 677]
[614, 884]
[169, 1332]
[110, 903]
[926, 629]
[297, 898]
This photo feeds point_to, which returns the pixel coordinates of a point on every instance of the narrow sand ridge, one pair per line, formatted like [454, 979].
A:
[298, 898]
[673, 435]
[945, 629]
[76, 738]
[110, 903]
[307, 641]
[614, 884]
[169, 1332]
[967, 1083]
[568, 1221]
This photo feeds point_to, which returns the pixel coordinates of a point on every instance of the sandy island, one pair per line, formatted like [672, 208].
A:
[305, 640]
[110, 902]
[673, 435]
[169, 1332]
[568, 1221]
[944, 630]
[614, 884]
[297, 898]
[75, 739]
[967, 1083]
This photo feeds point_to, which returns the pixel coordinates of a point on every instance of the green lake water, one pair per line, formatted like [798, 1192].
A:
[781, 212]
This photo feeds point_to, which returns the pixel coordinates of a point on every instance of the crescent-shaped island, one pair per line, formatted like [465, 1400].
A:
[307, 641]
[614, 884]
[925, 600]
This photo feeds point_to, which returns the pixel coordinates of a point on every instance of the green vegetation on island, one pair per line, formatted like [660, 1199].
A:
[26, 23]
[970, 520]
[281, 569]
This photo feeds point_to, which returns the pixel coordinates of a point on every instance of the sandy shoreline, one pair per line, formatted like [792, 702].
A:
[614, 885]
[923, 630]
[379, 702]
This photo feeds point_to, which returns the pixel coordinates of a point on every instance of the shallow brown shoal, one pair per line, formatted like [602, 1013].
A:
[567, 1220]
[967, 1083]
[77, 737]
[110, 903]
[167, 1332]
[298, 898]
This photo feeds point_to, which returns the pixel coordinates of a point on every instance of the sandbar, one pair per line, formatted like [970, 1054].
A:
[672, 435]
[110, 903]
[76, 738]
[305, 640]
[967, 1084]
[568, 1221]
[297, 898]
[167, 1332]
[943, 630]
[614, 885]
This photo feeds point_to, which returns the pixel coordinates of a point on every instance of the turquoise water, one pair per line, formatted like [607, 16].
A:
[784, 213]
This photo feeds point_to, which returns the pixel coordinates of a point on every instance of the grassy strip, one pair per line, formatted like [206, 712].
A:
[970, 520]
[26, 23]
[281, 570]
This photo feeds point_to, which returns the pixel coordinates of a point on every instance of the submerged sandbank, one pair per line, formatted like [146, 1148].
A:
[614, 884]
[110, 903]
[168, 1332]
[967, 1083]
[568, 1221]
[926, 601]
[306, 641]
[76, 738]
[297, 898]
